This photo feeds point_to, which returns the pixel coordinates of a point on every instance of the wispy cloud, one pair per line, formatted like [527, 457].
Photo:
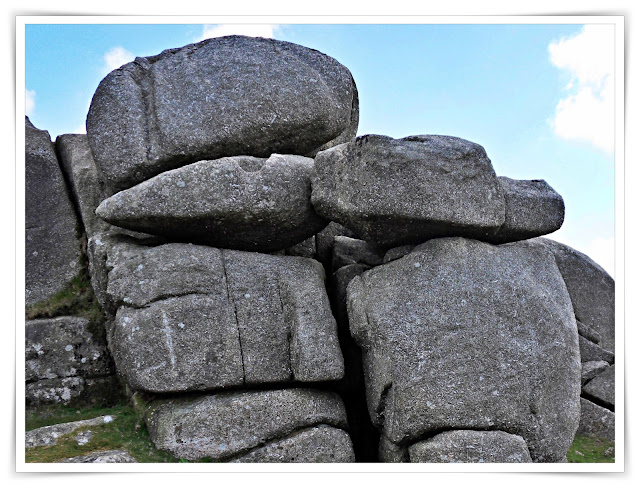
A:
[30, 102]
[586, 112]
[252, 30]
[116, 57]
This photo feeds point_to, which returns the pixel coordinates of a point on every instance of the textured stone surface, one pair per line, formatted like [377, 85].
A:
[588, 333]
[404, 191]
[593, 352]
[226, 96]
[194, 318]
[229, 424]
[463, 334]
[388, 452]
[75, 391]
[241, 202]
[49, 435]
[532, 209]
[602, 388]
[322, 444]
[52, 248]
[65, 347]
[324, 242]
[304, 249]
[591, 369]
[348, 251]
[113, 456]
[596, 421]
[397, 253]
[86, 187]
[590, 287]
[471, 446]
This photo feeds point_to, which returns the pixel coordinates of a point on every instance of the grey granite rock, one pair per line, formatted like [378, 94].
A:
[324, 242]
[75, 391]
[397, 253]
[591, 288]
[347, 250]
[304, 249]
[460, 334]
[52, 248]
[588, 333]
[241, 202]
[321, 444]
[532, 209]
[49, 435]
[113, 456]
[65, 347]
[388, 452]
[225, 425]
[196, 318]
[596, 421]
[593, 352]
[403, 191]
[226, 96]
[603, 388]
[471, 446]
[86, 188]
[591, 369]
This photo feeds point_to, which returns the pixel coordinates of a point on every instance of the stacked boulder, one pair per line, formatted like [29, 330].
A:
[219, 183]
[227, 338]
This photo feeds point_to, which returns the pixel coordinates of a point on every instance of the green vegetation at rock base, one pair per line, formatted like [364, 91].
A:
[591, 450]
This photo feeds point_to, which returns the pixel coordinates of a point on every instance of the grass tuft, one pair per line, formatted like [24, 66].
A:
[591, 450]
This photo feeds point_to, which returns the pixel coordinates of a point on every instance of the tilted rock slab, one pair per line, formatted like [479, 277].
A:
[404, 191]
[471, 446]
[591, 288]
[245, 203]
[225, 425]
[532, 209]
[52, 248]
[226, 96]
[64, 347]
[113, 456]
[49, 435]
[602, 388]
[460, 334]
[196, 318]
[596, 421]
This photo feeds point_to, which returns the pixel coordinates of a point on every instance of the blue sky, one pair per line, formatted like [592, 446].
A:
[539, 98]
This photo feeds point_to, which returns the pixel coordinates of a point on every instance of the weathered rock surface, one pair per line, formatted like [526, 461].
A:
[195, 318]
[532, 209]
[461, 334]
[471, 446]
[588, 333]
[591, 288]
[596, 421]
[226, 96]
[403, 191]
[241, 202]
[591, 369]
[50, 435]
[86, 187]
[52, 248]
[593, 352]
[65, 347]
[113, 456]
[348, 251]
[304, 249]
[75, 391]
[324, 242]
[225, 425]
[321, 444]
[602, 388]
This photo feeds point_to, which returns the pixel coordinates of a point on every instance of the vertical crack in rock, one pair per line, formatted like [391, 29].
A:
[289, 323]
[235, 312]
[167, 332]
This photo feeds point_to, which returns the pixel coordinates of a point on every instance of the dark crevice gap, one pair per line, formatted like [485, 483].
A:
[235, 313]
[598, 401]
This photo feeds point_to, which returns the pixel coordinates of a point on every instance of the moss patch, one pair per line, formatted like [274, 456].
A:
[126, 432]
[591, 450]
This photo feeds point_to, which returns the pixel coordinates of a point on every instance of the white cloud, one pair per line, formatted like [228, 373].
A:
[252, 30]
[116, 57]
[601, 250]
[30, 102]
[586, 112]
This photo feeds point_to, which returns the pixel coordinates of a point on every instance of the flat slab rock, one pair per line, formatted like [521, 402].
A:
[225, 96]
[52, 249]
[591, 288]
[113, 456]
[228, 425]
[75, 391]
[471, 446]
[603, 387]
[246, 203]
[596, 421]
[460, 334]
[50, 435]
[196, 318]
[403, 191]
[64, 347]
